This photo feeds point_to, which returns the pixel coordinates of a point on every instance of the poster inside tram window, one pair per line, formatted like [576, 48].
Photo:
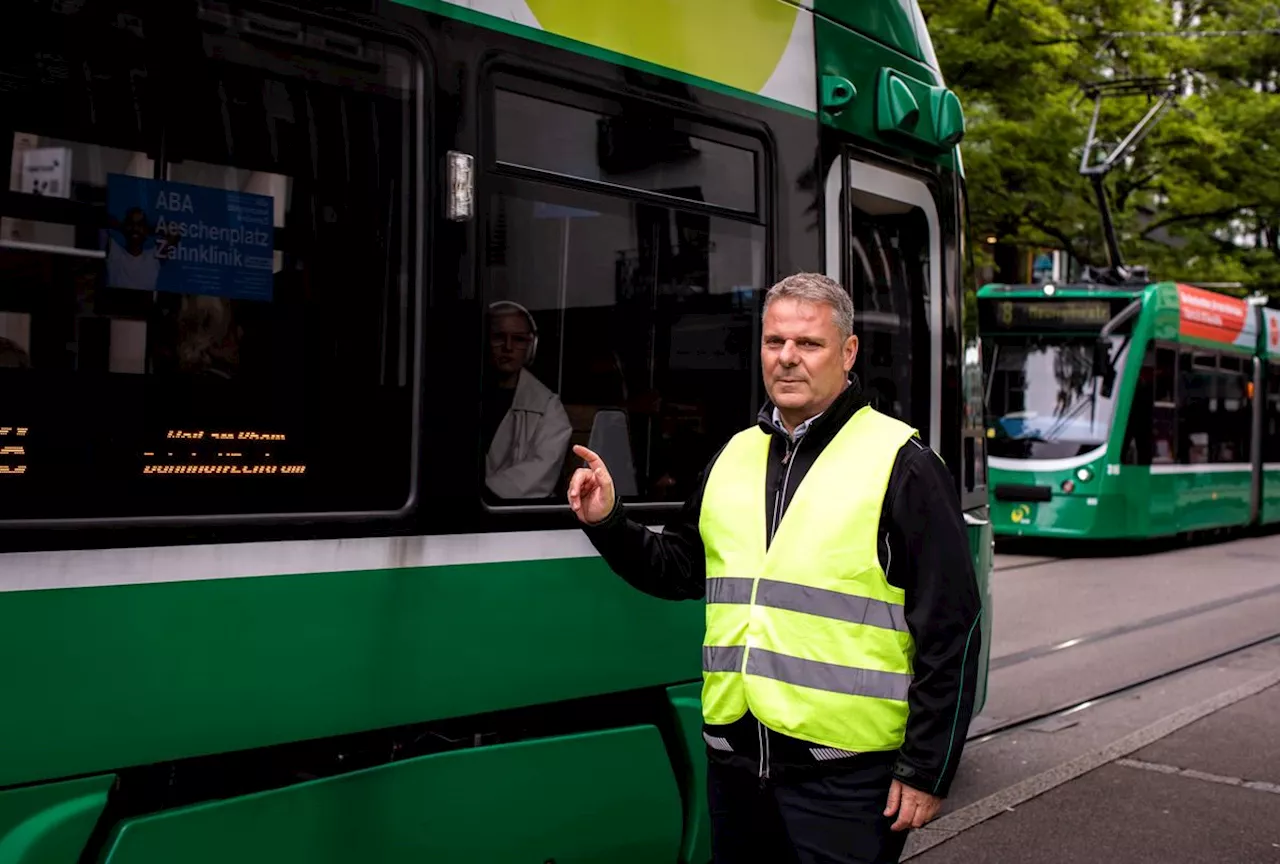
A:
[165, 236]
[1216, 317]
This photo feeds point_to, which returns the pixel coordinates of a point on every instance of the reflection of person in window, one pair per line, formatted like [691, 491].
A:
[524, 428]
[135, 264]
[13, 356]
[208, 337]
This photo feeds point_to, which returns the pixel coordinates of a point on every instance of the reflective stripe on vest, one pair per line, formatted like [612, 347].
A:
[808, 634]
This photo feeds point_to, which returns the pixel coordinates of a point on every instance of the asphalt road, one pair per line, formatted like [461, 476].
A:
[1207, 791]
[1067, 630]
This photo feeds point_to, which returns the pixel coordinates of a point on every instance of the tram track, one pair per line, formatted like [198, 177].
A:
[1007, 660]
[1069, 707]
[1026, 565]
[1056, 679]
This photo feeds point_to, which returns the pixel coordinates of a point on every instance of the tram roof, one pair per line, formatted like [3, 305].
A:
[898, 23]
[1196, 315]
[627, 25]
[1063, 289]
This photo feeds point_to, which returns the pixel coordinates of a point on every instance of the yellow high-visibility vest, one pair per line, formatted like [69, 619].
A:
[808, 634]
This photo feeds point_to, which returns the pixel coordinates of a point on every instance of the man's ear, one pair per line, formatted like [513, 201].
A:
[850, 352]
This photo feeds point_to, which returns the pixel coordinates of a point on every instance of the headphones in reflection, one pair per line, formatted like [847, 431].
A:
[503, 305]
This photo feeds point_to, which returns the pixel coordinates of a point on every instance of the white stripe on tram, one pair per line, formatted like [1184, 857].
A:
[1203, 468]
[1006, 463]
[85, 568]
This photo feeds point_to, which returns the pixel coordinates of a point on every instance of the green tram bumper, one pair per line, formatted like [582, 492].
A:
[1073, 501]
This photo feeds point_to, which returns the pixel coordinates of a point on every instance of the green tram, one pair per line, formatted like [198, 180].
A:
[1124, 413]
[285, 575]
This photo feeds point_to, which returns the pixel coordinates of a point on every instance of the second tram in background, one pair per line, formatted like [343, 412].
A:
[1129, 412]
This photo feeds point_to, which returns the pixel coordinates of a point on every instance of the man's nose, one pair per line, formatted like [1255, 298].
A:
[789, 356]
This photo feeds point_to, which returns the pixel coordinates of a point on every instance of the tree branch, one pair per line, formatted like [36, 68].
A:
[1124, 189]
[1141, 182]
[1196, 217]
[1068, 243]
[991, 8]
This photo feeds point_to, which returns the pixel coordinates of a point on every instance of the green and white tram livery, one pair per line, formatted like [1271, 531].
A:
[1118, 413]
[300, 314]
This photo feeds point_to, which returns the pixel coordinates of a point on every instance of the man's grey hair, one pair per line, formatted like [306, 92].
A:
[817, 288]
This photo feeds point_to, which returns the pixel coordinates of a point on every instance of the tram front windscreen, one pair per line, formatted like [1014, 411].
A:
[1047, 396]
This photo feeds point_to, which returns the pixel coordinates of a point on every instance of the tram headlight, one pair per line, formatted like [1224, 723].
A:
[1084, 475]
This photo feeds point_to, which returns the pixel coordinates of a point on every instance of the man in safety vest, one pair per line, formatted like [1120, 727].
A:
[842, 640]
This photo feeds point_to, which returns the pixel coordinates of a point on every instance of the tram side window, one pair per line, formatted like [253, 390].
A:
[1164, 407]
[1215, 408]
[889, 281]
[1197, 404]
[1271, 421]
[625, 323]
[204, 270]
[1233, 427]
[1139, 440]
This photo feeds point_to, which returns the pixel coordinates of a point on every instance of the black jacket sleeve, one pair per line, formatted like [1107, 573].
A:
[930, 560]
[670, 565]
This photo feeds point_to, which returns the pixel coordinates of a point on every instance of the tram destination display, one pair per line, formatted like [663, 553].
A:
[1046, 315]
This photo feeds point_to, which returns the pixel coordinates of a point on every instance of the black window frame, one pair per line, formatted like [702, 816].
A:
[974, 492]
[420, 219]
[493, 176]
[848, 153]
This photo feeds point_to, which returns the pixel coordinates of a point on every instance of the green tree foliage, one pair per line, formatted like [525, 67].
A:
[1198, 200]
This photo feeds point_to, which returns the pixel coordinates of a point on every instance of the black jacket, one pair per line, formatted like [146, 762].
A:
[924, 550]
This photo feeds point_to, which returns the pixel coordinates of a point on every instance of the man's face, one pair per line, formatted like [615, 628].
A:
[509, 340]
[135, 228]
[805, 363]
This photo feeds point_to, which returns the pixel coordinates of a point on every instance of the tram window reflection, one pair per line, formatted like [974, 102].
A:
[636, 147]
[263, 325]
[644, 320]
[889, 282]
[646, 302]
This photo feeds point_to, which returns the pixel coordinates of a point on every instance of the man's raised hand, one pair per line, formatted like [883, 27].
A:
[591, 488]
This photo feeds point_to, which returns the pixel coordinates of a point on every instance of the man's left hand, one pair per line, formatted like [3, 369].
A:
[914, 808]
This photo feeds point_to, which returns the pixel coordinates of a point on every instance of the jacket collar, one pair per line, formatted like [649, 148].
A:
[824, 426]
[531, 394]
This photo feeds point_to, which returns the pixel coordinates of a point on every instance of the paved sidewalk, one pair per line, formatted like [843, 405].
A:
[1208, 791]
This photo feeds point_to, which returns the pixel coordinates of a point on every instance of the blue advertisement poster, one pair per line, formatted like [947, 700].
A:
[166, 236]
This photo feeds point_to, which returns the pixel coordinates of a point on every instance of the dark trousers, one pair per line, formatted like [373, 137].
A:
[835, 819]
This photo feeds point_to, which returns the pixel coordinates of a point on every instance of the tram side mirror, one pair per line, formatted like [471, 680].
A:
[1102, 348]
